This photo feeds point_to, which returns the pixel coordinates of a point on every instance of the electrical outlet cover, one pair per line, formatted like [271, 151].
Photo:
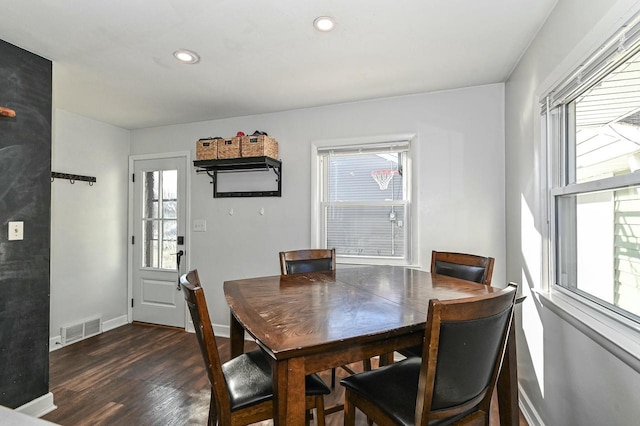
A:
[16, 231]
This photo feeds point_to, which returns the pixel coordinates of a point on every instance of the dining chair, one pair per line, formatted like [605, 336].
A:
[465, 266]
[314, 260]
[468, 267]
[465, 342]
[242, 388]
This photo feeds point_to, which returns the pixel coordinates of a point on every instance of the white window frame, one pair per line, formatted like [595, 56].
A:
[317, 188]
[614, 331]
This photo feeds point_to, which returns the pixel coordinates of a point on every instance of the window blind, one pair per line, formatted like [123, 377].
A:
[622, 45]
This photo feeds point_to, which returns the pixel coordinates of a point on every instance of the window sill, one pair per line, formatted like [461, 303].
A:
[620, 337]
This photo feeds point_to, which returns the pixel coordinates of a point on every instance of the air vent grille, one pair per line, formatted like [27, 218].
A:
[76, 332]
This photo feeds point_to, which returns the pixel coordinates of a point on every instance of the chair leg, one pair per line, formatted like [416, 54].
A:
[213, 412]
[366, 364]
[349, 410]
[333, 378]
[320, 410]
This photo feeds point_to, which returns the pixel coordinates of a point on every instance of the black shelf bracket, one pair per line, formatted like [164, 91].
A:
[248, 164]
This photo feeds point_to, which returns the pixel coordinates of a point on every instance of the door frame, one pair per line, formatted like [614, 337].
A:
[186, 155]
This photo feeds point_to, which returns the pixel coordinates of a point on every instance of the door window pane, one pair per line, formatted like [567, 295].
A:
[150, 244]
[150, 184]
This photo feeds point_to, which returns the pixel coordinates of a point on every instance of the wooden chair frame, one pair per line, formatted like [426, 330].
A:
[446, 311]
[220, 405]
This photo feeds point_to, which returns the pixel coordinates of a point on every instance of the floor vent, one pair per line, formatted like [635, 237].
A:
[75, 332]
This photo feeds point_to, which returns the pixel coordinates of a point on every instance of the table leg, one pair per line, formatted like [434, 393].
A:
[508, 384]
[289, 392]
[236, 337]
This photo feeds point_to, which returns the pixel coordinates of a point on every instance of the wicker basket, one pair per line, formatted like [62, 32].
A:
[259, 146]
[229, 147]
[207, 149]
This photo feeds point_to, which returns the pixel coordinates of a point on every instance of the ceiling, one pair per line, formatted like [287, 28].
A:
[113, 59]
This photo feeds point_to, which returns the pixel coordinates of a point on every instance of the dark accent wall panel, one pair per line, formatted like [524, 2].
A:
[25, 195]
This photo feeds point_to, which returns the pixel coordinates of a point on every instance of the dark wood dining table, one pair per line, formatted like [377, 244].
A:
[311, 322]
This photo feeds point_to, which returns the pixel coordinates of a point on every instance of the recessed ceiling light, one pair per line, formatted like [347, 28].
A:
[324, 23]
[186, 56]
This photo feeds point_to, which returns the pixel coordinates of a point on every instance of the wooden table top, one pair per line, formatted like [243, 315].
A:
[293, 315]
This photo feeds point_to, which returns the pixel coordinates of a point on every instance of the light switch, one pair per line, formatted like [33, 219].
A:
[16, 231]
[199, 225]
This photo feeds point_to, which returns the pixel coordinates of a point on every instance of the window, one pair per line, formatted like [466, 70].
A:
[593, 135]
[160, 219]
[364, 202]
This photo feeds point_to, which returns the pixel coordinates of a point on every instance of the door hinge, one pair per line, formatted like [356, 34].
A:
[133, 239]
[132, 302]
[133, 177]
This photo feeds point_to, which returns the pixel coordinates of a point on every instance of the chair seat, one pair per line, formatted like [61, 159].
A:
[249, 380]
[411, 351]
[394, 389]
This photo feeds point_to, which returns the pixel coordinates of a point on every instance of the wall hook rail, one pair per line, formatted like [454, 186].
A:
[73, 178]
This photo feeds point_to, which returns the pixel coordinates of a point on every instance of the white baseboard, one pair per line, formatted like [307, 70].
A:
[222, 330]
[114, 323]
[55, 343]
[528, 410]
[39, 406]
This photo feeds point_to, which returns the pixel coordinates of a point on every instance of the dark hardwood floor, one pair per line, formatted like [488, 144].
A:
[144, 375]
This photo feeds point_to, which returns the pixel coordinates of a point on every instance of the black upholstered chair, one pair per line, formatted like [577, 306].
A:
[465, 340]
[314, 260]
[242, 388]
[468, 267]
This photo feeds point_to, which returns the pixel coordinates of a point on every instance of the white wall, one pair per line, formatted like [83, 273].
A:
[89, 223]
[458, 165]
[566, 378]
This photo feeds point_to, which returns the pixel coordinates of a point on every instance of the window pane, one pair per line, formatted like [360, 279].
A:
[170, 230]
[372, 231]
[150, 244]
[588, 224]
[351, 177]
[150, 185]
[169, 185]
[169, 246]
[169, 258]
[169, 209]
[607, 119]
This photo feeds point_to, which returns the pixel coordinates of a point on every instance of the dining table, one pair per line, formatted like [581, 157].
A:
[311, 322]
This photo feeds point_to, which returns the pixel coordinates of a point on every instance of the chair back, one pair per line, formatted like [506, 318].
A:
[301, 261]
[468, 267]
[194, 296]
[464, 344]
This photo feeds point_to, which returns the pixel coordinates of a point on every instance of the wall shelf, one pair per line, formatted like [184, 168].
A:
[249, 164]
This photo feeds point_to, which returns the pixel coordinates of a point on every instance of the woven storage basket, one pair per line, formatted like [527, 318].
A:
[259, 146]
[229, 147]
[207, 149]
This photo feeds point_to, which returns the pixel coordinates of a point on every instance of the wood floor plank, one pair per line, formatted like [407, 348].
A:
[144, 375]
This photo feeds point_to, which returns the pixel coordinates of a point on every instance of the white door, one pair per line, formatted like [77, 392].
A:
[158, 240]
